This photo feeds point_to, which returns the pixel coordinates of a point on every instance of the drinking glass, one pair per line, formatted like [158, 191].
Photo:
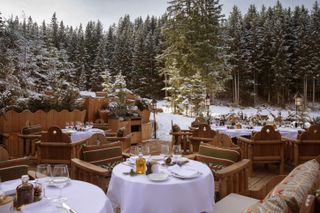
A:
[71, 125]
[60, 176]
[164, 150]
[134, 151]
[67, 126]
[90, 124]
[176, 152]
[146, 151]
[44, 173]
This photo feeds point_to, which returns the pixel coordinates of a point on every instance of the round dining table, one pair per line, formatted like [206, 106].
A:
[82, 135]
[138, 194]
[81, 196]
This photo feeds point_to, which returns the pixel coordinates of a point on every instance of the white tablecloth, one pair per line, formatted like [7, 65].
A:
[140, 195]
[82, 135]
[81, 196]
[284, 131]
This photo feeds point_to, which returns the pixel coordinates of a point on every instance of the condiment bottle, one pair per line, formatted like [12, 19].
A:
[24, 192]
[140, 165]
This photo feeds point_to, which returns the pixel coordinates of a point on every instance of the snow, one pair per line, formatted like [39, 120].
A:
[88, 93]
[165, 118]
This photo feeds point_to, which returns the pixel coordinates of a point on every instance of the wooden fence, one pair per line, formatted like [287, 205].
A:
[13, 121]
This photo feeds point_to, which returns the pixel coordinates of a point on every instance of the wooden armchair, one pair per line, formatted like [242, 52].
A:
[203, 134]
[96, 163]
[306, 147]
[224, 141]
[264, 147]
[232, 177]
[56, 147]
[29, 136]
[12, 168]
[100, 124]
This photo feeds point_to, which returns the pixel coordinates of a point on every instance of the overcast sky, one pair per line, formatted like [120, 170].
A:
[74, 12]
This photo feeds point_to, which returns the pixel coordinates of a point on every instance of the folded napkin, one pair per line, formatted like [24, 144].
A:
[182, 171]
[41, 207]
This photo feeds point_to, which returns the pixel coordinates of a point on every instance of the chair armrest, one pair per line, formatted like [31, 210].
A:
[29, 136]
[15, 162]
[89, 167]
[13, 172]
[234, 168]
[201, 139]
[191, 156]
[245, 140]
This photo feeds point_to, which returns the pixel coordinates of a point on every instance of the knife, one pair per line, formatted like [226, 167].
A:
[66, 206]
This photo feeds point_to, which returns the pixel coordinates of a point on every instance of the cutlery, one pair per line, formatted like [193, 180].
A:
[66, 206]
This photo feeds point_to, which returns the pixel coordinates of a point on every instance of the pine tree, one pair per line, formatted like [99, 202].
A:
[98, 68]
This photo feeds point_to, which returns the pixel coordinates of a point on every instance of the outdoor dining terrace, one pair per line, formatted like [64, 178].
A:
[228, 165]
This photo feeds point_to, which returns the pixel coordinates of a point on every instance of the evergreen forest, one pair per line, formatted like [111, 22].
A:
[265, 55]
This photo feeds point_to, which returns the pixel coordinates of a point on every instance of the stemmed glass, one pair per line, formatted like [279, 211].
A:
[146, 152]
[134, 151]
[60, 177]
[164, 150]
[44, 175]
[176, 152]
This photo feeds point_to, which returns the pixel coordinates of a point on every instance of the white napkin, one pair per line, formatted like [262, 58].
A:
[182, 171]
[41, 207]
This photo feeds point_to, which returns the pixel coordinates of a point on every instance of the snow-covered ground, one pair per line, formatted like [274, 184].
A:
[165, 118]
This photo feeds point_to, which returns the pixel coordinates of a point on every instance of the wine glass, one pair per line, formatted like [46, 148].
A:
[67, 126]
[43, 174]
[134, 151]
[164, 150]
[146, 151]
[176, 152]
[60, 176]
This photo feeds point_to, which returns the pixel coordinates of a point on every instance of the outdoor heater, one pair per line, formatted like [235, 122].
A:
[154, 108]
[207, 104]
[298, 101]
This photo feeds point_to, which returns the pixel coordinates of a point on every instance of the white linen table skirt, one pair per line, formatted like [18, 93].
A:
[82, 135]
[138, 194]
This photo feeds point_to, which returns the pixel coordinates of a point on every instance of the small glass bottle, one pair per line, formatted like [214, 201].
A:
[25, 192]
[140, 165]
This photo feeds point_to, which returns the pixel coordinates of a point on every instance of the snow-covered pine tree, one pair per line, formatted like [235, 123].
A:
[107, 85]
[98, 68]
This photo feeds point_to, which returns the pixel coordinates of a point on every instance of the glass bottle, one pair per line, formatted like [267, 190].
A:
[24, 192]
[140, 165]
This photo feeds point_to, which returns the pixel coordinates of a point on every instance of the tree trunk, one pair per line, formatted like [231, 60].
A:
[313, 90]
[238, 89]
[305, 90]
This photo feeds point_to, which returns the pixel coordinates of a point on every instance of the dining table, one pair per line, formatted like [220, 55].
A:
[77, 136]
[141, 193]
[81, 196]
[288, 132]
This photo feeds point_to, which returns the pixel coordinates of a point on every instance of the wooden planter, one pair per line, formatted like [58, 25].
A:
[145, 116]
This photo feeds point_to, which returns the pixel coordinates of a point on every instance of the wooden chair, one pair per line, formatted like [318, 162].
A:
[56, 147]
[224, 141]
[12, 168]
[232, 177]
[306, 147]
[203, 134]
[198, 121]
[28, 137]
[100, 124]
[92, 166]
[264, 147]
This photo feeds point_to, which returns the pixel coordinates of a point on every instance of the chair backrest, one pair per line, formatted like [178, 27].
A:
[222, 140]
[219, 153]
[204, 131]
[31, 129]
[97, 139]
[13, 172]
[103, 154]
[198, 121]
[267, 132]
[55, 134]
[313, 133]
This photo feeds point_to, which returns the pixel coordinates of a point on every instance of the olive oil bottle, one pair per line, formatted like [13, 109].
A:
[140, 165]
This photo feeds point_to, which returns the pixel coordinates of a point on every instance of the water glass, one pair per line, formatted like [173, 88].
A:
[67, 125]
[176, 152]
[134, 151]
[43, 174]
[60, 176]
[146, 151]
[164, 150]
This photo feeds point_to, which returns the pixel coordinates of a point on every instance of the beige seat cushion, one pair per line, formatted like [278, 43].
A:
[274, 204]
[300, 182]
[233, 203]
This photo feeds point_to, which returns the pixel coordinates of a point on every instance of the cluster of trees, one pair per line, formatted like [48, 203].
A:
[273, 53]
[260, 56]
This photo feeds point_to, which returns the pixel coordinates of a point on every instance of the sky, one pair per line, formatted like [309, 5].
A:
[74, 12]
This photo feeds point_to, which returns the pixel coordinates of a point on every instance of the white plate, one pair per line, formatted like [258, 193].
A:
[158, 177]
[186, 177]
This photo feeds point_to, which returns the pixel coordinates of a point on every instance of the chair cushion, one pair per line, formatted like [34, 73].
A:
[300, 182]
[274, 204]
[218, 152]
